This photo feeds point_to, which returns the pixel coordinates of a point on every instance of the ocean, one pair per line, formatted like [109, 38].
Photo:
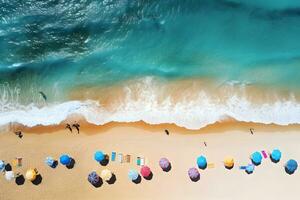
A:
[191, 63]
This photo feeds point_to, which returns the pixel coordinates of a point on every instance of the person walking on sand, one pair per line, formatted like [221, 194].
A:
[68, 126]
[77, 126]
[205, 144]
[19, 134]
[251, 131]
[167, 132]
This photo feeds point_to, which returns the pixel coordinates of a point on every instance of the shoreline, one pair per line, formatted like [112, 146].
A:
[219, 127]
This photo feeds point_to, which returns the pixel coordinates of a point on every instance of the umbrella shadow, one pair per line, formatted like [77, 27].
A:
[38, 180]
[20, 180]
[112, 180]
[168, 168]
[8, 167]
[71, 164]
[105, 161]
[229, 168]
[55, 163]
[149, 177]
[195, 179]
[138, 180]
[98, 184]
[274, 161]
[288, 171]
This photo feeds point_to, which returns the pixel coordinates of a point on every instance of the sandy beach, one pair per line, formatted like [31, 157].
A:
[181, 147]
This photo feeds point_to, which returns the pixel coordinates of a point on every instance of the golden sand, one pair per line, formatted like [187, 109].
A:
[181, 147]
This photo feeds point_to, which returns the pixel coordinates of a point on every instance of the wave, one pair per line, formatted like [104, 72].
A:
[150, 102]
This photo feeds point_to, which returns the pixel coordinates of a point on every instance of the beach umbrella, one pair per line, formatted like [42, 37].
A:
[106, 174]
[99, 156]
[133, 175]
[9, 175]
[145, 171]
[31, 175]
[229, 162]
[50, 161]
[2, 165]
[65, 159]
[249, 169]
[275, 155]
[291, 166]
[194, 174]
[201, 162]
[256, 158]
[93, 178]
[164, 164]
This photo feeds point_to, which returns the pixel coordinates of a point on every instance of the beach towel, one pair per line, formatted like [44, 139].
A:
[142, 161]
[113, 156]
[242, 167]
[264, 153]
[210, 165]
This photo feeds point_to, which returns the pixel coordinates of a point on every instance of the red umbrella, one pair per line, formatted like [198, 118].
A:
[145, 171]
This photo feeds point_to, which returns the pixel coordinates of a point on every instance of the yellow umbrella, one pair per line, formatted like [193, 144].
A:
[106, 174]
[30, 174]
[228, 162]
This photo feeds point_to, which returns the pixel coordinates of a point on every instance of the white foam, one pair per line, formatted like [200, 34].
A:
[147, 106]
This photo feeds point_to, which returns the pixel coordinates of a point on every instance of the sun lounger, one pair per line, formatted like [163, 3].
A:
[264, 153]
[138, 161]
[120, 158]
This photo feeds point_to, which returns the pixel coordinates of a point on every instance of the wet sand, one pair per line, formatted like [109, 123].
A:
[181, 147]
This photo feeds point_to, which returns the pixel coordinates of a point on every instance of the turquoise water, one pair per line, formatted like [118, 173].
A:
[57, 46]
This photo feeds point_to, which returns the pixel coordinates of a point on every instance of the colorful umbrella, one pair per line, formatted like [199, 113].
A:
[133, 175]
[201, 162]
[164, 164]
[93, 178]
[194, 174]
[65, 159]
[275, 155]
[9, 175]
[106, 174]
[99, 156]
[31, 175]
[2, 165]
[229, 162]
[291, 166]
[145, 171]
[256, 158]
[50, 161]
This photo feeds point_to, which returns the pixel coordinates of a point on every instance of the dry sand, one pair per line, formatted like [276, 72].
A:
[181, 147]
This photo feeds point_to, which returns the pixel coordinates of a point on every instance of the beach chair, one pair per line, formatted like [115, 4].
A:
[120, 158]
[14, 162]
[127, 158]
[19, 161]
[242, 167]
[113, 156]
[138, 161]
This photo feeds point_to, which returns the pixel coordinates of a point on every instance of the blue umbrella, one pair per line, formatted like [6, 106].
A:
[133, 175]
[50, 161]
[2, 165]
[250, 169]
[99, 156]
[275, 155]
[256, 158]
[201, 162]
[291, 166]
[65, 159]
[93, 178]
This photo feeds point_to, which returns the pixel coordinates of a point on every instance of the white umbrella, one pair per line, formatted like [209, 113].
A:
[9, 175]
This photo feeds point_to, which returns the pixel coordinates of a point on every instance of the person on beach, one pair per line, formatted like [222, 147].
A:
[205, 144]
[251, 131]
[19, 134]
[167, 132]
[76, 126]
[68, 126]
